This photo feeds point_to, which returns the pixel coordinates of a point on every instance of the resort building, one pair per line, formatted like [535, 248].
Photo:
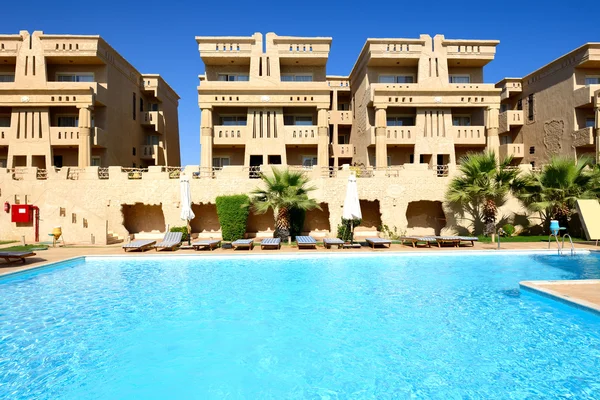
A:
[73, 101]
[406, 101]
[553, 110]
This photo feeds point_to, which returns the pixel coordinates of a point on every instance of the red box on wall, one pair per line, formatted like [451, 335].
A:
[21, 213]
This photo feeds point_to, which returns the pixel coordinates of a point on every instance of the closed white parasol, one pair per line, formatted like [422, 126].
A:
[351, 209]
[186, 201]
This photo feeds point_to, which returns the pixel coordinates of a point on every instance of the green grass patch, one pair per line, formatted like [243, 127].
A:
[522, 239]
[7, 241]
[27, 247]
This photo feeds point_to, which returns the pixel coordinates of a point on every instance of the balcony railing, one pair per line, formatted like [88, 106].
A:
[343, 150]
[340, 117]
[509, 119]
[298, 134]
[514, 150]
[154, 119]
[148, 152]
[585, 95]
[583, 137]
[63, 135]
[229, 134]
[468, 135]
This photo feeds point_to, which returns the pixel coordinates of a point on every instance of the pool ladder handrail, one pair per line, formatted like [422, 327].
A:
[561, 248]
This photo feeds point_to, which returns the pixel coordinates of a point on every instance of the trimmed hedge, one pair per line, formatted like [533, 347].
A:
[233, 215]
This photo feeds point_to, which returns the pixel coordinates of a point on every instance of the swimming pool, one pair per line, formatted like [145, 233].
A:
[314, 326]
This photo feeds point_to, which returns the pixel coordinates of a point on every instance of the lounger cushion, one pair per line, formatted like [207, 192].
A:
[333, 241]
[16, 254]
[270, 242]
[136, 244]
[241, 242]
[378, 240]
[305, 240]
[206, 242]
[171, 239]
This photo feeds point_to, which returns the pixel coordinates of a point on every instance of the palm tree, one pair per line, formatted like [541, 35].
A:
[482, 187]
[553, 191]
[284, 190]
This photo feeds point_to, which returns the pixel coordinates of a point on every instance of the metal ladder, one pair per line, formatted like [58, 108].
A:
[562, 247]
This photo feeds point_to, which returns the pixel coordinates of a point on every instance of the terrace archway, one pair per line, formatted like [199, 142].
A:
[141, 217]
[425, 217]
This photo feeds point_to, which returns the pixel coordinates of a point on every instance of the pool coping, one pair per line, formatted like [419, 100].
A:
[286, 255]
[537, 287]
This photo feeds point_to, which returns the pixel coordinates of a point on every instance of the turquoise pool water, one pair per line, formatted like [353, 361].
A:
[328, 327]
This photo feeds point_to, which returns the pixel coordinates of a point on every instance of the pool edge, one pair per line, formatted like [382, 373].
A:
[533, 287]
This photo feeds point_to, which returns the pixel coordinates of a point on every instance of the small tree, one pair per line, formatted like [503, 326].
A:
[481, 188]
[283, 191]
[553, 191]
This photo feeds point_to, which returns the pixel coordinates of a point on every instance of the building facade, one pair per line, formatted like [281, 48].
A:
[554, 110]
[406, 101]
[73, 101]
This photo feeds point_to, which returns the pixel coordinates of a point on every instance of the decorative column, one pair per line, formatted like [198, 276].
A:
[380, 138]
[85, 136]
[597, 132]
[323, 139]
[493, 140]
[335, 142]
[206, 138]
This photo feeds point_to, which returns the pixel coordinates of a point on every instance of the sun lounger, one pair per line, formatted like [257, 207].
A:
[379, 242]
[140, 245]
[243, 243]
[471, 239]
[455, 240]
[328, 242]
[414, 240]
[206, 244]
[170, 241]
[270, 243]
[306, 241]
[16, 255]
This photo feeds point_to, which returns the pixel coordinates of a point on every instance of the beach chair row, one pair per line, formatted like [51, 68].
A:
[439, 240]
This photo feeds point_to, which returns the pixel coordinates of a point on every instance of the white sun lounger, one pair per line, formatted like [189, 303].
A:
[328, 242]
[206, 244]
[271, 243]
[140, 245]
[170, 241]
[414, 240]
[243, 243]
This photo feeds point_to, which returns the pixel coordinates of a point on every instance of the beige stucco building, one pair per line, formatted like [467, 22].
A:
[554, 110]
[68, 101]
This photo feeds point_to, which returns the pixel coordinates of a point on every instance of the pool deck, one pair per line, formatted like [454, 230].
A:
[585, 294]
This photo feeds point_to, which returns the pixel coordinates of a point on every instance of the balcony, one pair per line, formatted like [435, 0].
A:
[64, 136]
[398, 135]
[224, 50]
[298, 134]
[229, 134]
[72, 45]
[453, 95]
[586, 95]
[509, 88]
[468, 135]
[342, 150]
[393, 52]
[583, 137]
[509, 119]
[514, 150]
[9, 45]
[99, 138]
[154, 119]
[148, 152]
[470, 53]
[302, 50]
[98, 90]
[338, 82]
[340, 117]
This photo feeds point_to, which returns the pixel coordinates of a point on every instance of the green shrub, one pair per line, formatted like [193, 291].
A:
[508, 229]
[297, 217]
[344, 230]
[233, 215]
[392, 234]
[182, 229]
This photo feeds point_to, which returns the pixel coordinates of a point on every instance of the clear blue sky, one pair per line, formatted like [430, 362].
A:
[158, 37]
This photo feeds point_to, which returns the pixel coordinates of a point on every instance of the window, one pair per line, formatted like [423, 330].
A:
[530, 105]
[152, 140]
[592, 80]
[134, 106]
[532, 150]
[503, 108]
[460, 79]
[297, 120]
[396, 79]
[400, 121]
[232, 77]
[7, 78]
[220, 162]
[461, 120]
[234, 120]
[4, 121]
[276, 159]
[296, 78]
[343, 139]
[133, 152]
[505, 139]
[141, 105]
[3, 162]
[343, 106]
[75, 77]
[153, 107]
[68, 121]
[95, 161]
[520, 104]
[590, 122]
[309, 161]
